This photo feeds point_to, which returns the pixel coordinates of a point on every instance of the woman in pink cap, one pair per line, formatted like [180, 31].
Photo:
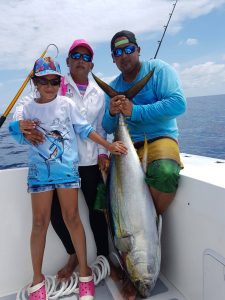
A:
[92, 157]
[53, 165]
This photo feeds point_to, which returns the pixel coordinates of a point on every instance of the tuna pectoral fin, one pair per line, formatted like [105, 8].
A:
[124, 244]
[159, 226]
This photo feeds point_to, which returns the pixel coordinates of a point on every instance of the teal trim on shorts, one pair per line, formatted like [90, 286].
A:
[163, 175]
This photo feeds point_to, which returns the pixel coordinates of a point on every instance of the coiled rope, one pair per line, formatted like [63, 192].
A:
[55, 289]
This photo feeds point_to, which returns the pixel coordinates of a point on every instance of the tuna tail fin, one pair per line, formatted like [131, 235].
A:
[134, 90]
[144, 161]
[105, 87]
[130, 93]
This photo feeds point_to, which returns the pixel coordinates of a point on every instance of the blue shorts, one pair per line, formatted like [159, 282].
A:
[38, 188]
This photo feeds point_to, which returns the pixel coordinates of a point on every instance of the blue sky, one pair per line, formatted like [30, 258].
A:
[194, 43]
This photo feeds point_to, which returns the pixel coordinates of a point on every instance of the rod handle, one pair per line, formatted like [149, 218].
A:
[2, 120]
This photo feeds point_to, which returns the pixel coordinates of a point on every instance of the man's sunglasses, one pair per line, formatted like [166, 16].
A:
[44, 81]
[77, 55]
[117, 52]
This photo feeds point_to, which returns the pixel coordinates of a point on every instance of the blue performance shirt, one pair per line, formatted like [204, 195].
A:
[155, 107]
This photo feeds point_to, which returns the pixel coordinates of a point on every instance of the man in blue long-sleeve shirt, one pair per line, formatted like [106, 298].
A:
[151, 114]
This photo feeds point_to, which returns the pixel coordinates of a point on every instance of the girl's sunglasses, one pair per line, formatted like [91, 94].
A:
[44, 81]
[127, 50]
[77, 55]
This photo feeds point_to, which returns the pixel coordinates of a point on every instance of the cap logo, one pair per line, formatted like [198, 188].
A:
[122, 42]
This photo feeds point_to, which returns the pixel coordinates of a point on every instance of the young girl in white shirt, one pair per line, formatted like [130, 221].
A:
[54, 165]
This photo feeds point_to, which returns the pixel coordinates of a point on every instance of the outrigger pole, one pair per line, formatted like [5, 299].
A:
[165, 28]
[8, 109]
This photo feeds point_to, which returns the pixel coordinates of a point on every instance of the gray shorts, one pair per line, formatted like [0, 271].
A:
[38, 188]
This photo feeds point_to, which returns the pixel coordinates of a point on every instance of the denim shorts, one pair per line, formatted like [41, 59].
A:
[38, 188]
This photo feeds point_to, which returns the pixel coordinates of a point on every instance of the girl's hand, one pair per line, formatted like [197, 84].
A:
[30, 132]
[117, 148]
[26, 126]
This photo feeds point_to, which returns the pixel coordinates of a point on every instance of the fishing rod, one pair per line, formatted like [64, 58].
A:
[165, 28]
[10, 106]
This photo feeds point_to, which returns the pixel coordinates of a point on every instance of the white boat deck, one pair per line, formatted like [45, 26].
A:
[107, 290]
[193, 240]
[102, 292]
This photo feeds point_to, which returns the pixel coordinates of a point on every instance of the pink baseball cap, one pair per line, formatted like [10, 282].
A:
[81, 43]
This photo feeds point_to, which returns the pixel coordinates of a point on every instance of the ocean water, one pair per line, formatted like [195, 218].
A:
[202, 132]
[202, 127]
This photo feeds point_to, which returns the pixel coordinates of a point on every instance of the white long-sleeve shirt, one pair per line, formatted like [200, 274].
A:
[92, 107]
[55, 160]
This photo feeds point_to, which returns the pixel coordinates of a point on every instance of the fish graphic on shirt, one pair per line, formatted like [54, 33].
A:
[53, 147]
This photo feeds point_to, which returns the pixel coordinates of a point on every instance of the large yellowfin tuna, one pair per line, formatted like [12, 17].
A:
[135, 226]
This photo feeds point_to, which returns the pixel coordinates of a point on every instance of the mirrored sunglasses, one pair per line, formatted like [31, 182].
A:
[127, 50]
[44, 81]
[77, 55]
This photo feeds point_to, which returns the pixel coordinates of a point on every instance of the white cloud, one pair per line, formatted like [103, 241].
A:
[193, 9]
[28, 26]
[203, 79]
[197, 79]
[191, 42]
